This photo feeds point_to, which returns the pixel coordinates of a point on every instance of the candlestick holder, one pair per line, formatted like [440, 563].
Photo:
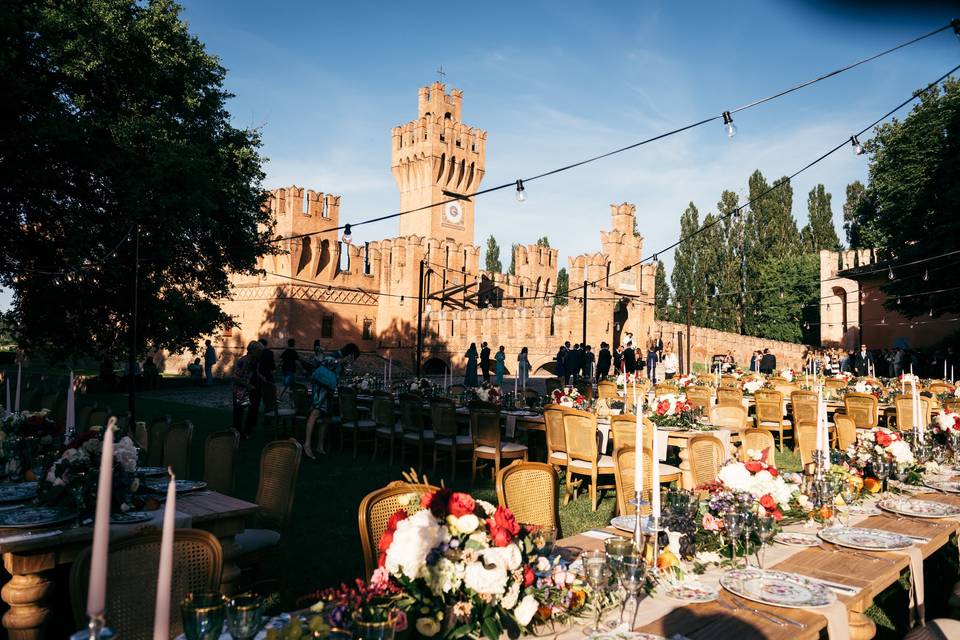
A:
[97, 629]
[638, 502]
[655, 543]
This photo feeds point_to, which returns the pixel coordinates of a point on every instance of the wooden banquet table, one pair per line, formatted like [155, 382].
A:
[718, 621]
[30, 562]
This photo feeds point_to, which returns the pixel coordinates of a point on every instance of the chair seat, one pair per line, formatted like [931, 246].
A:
[766, 424]
[282, 413]
[360, 424]
[426, 434]
[389, 431]
[667, 470]
[461, 441]
[604, 464]
[253, 540]
[559, 457]
[505, 447]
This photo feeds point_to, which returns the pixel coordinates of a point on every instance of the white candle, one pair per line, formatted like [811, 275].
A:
[97, 586]
[819, 419]
[638, 467]
[6, 405]
[161, 612]
[16, 402]
[71, 421]
[390, 370]
[384, 373]
[655, 483]
[634, 396]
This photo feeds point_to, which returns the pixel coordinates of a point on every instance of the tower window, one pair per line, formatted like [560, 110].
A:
[473, 147]
[326, 327]
[459, 144]
[367, 329]
[442, 139]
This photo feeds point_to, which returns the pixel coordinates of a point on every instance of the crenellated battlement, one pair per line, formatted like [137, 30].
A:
[290, 200]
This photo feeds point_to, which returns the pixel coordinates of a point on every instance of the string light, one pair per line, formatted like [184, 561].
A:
[347, 237]
[857, 147]
[890, 273]
[883, 320]
[955, 23]
[728, 124]
[931, 312]
[926, 275]
[521, 194]
[898, 300]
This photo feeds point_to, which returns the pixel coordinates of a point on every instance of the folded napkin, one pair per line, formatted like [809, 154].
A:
[597, 533]
[20, 537]
[916, 583]
[838, 620]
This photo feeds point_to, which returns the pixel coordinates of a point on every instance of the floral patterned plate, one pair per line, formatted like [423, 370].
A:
[919, 508]
[627, 523]
[948, 486]
[865, 539]
[18, 492]
[183, 486]
[777, 588]
[690, 592]
[130, 517]
[865, 510]
[623, 633]
[148, 472]
[34, 516]
[797, 539]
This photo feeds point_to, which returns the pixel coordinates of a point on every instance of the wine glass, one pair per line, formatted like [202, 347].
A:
[616, 548]
[633, 573]
[598, 577]
[881, 469]
[733, 524]
[849, 493]
[747, 520]
[765, 527]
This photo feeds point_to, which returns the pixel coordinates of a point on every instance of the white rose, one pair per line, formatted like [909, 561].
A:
[488, 508]
[525, 610]
[508, 557]
[485, 581]
[467, 523]
[413, 540]
[510, 598]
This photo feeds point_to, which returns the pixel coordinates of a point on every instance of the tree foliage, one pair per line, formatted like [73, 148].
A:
[855, 193]
[909, 209]
[493, 264]
[661, 293]
[563, 286]
[513, 259]
[543, 242]
[685, 277]
[789, 298]
[114, 119]
[819, 233]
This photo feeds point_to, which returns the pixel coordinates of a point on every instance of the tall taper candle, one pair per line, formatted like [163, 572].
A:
[71, 420]
[161, 612]
[16, 402]
[97, 586]
[655, 483]
[638, 467]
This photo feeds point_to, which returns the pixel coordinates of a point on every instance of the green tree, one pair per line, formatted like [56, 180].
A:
[819, 233]
[543, 242]
[855, 195]
[563, 286]
[731, 274]
[114, 120]
[493, 256]
[788, 298]
[686, 275]
[661, 293]
[909, 211]
[513, 259]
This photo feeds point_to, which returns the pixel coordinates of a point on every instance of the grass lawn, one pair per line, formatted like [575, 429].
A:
[324, 545]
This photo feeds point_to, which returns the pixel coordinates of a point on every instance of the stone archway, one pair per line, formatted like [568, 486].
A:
[435, 367]
[621, 315]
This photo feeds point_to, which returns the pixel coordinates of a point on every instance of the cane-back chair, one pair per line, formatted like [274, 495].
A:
[904, 406]
[384, 415]
[351, 419]
[280, 418]
[443, 418]
[556, 439]
[220, 452]
[607, 389]
[375, 512]
[706, 455]
[531, 490]
[769, 413]
[487, 444]
[806, 441]
[862, 407]
[279, 468]
[580, 429]
[846, 430]
[756, 440]
[412, 423]
[700, 397]
[729, 396]
[176, 448]
[729, 416]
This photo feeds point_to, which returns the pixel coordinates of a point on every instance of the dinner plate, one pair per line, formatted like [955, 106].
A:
[627, 523]
[777, 588]
[183, 486]
[797, 539]
[690, 592]
[919, 508]
[148, 472]
[865, 510]
[18, 492]
[865, 539]
[34, 516]
[949, 486]
[130, 517]
[622, 633]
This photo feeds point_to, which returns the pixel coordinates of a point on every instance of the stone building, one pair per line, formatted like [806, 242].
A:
[321, 287]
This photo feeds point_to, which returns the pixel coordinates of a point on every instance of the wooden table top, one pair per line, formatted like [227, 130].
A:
[711, 620]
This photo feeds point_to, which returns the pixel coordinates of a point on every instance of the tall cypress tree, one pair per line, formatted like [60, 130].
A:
[661, 293]
[493, 256]
[819, 233]
[685, 277]
[855, 195]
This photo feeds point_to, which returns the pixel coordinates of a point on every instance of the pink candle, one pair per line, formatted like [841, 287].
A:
[97, 587]
[161, 612]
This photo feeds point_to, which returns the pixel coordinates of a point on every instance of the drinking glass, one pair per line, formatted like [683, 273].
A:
[747, 521]
[849, 495]
[202, 616]
[732, 524]
[765, 528]
[598, 577]
[244, 616]
[881, 469]
[616, 549]
[633, 573]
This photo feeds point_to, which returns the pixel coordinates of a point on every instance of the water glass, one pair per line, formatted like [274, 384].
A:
[882, 470]
[632, 575]
[733, 525]
[202, 616]
[616, 549]
[244, 616]
[598, 577]
[765, 526]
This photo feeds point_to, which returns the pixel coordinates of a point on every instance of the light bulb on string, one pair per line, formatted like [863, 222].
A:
[347, 237]
[521, 193]
[883, 320]
[728, 124]
[863, 295]
[857, 147]
[781, 295]
[890, 273]
[926, 275]
[931, 312]
[898, 300]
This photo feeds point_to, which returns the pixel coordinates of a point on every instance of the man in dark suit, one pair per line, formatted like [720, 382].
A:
[863, 362]
[574, 361]
[603, 361]
[485, 361]
[768, 363]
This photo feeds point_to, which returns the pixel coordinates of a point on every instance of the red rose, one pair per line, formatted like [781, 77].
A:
[460, 504]
[754, 466]
[387, 538]
[528, 576]
[773, 471]
[777, 515]
[768, 503]
[437, 502]
[503, 527]
[400, 514]
[662, 407]
[883, 439]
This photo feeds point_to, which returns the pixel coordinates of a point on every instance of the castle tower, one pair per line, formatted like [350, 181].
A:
[432, 158]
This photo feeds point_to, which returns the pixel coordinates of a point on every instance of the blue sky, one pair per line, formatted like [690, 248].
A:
[553, 82]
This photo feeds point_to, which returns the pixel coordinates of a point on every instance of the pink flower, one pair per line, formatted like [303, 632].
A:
[711, 523]
[380, 579]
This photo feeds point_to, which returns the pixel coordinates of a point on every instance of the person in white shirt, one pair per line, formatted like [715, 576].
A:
[670, 364]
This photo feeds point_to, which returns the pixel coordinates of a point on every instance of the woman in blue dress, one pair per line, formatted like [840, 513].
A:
[501, 358]
[470, 375]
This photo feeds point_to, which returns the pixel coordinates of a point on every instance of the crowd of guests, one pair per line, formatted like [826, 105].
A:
[884, 363]
[578, 361]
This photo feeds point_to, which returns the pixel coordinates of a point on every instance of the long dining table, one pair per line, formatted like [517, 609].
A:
[730, 618]
[31, 556]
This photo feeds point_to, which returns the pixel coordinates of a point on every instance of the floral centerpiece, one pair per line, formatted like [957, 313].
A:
[761, 479]
[787, 374]
[883, 445]
[946, 422]
[71, 481]
[469, 568]
[487, 392]
[686, 380]
[421, 386]
[752, 383]
[26, 438]
[672, 411]
[570, 397]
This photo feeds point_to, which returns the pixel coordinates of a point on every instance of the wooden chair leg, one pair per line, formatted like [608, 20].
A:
[593, 493]
[473, 470]
[566, 488]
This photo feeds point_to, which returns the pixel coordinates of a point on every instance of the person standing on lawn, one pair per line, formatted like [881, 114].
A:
[470, 374]
[209, 359]
[324, 380]
[289, 360]
[245, 380]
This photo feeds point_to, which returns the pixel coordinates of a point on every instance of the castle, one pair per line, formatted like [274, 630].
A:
[323, 288]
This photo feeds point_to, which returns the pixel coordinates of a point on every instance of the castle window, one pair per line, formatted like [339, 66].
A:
[326, 327]
[344, 262]
[366, 258]
[447, 116]
[442, 139]
[473, 147]
[367, 329]
[459, 144]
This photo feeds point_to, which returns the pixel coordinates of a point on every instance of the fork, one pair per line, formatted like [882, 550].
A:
[853, 552]
[736, 604]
